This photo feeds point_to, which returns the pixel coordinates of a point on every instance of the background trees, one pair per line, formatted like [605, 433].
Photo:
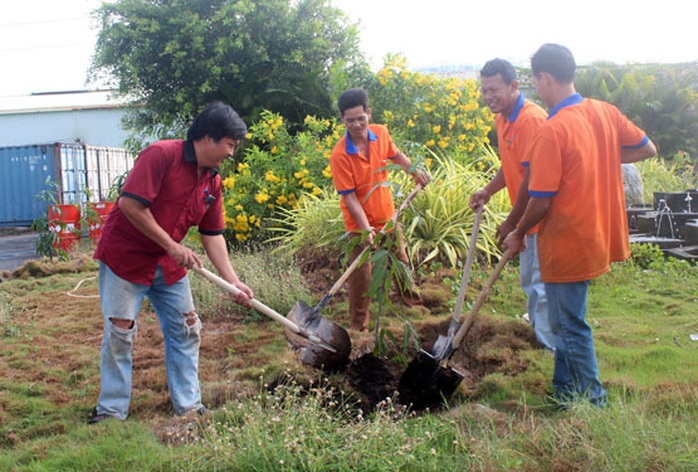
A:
[174, 56]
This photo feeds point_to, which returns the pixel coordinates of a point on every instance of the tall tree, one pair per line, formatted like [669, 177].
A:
[174, 56]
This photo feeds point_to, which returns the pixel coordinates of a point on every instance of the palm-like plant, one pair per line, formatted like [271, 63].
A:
[439, 223]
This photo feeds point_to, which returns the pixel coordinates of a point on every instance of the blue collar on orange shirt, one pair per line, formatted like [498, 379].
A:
[571, 100]
[517, 108]
[351, 147]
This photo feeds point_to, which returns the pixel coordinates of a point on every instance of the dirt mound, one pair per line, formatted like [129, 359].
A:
[44, 267]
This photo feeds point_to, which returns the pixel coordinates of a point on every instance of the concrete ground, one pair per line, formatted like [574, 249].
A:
[17, 245]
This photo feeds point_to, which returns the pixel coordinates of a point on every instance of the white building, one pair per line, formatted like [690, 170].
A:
[91, 117]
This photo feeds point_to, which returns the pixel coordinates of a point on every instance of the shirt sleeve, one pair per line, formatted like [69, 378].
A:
[148, 173]
[545, 165]
[342, 174]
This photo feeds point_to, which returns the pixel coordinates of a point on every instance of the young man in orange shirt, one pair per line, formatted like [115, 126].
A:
[517, 121]
[576, 194]
[358, 170]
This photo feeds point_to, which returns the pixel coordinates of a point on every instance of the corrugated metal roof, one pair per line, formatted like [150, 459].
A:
[60, 101]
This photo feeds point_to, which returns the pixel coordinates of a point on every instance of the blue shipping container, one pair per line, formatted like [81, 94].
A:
[81, 174]
[23, 174]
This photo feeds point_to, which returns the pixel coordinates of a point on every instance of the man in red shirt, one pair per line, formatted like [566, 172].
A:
[517, 121]
[577, 197]
[173, 186]
[358, 164]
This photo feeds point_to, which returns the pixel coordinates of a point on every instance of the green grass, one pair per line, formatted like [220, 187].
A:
[642, 320]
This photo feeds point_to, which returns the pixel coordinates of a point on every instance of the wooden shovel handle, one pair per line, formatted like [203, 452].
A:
[256, 304]
[355, 263]
[468, 263]
[480, 300]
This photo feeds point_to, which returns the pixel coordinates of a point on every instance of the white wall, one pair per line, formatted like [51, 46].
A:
[96, 127]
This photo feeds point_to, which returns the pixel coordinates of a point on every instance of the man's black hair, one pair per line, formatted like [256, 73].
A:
[353, 97]
[501, 67]
[556, 60]
[217, 121]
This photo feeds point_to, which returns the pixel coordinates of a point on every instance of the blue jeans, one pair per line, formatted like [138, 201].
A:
[181, 328]
[534, 288]
[576, 374]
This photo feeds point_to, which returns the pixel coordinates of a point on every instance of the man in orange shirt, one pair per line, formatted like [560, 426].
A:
[517, 121]
[577, 197]
[358, 170]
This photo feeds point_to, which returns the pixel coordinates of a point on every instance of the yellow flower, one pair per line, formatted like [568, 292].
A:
[302, 162]
[410, 123]
[430, 143]
[229, 183]
[281, 199]
[436, 129]
[327, 172]
[316, 191]
[240, 237]
[274, 150]
[269, 176]
[261, 197]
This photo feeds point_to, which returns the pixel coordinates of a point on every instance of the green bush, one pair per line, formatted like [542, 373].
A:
[441, 113]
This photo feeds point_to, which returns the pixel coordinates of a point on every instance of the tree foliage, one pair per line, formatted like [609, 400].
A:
[661, 99]
[175, 56]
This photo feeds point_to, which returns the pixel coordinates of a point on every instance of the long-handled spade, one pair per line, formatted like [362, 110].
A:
[330, 342]
[443, 344]
[427, 380]
[309, 317]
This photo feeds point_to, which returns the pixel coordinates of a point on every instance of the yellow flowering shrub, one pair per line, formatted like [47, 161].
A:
[443, 113]
[277, 170]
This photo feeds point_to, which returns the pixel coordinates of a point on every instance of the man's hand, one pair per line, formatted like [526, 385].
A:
[421, 177]
[245, 295]
[504, 229]
[515, 242]
[184, 256]
[478, 199]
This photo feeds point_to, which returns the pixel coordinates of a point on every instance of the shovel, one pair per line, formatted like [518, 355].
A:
[427, 380]
[308, 316]
[443, 344]
[329, 345]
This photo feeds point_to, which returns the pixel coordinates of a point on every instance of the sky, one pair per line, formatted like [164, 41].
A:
[46, 45]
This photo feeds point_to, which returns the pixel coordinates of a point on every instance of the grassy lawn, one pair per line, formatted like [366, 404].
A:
[500, 418]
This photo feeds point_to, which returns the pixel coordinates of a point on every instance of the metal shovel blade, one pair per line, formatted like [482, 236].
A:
[329, 332]
[426, 383]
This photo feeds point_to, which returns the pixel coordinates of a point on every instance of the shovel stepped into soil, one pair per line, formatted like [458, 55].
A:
[444, 344]
[328, 344]
[307, 316]
[428, 380]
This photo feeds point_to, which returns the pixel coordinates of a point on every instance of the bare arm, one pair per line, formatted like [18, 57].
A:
[628, 156]
[358, 214]
[482, 196]
[142, 218]
[536, 209]
[217, 252]
[509, 224]
[420, 177]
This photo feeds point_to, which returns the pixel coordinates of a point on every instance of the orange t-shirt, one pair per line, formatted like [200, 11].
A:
[354, 172]
[575, 160]
[515, 135]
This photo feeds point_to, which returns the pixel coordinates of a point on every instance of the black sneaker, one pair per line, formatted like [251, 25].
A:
[96, 418]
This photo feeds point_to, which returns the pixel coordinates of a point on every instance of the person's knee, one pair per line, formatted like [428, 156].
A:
[122, 323]
[192, 322]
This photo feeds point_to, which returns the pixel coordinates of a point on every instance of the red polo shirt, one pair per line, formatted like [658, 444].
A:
[164, 178]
